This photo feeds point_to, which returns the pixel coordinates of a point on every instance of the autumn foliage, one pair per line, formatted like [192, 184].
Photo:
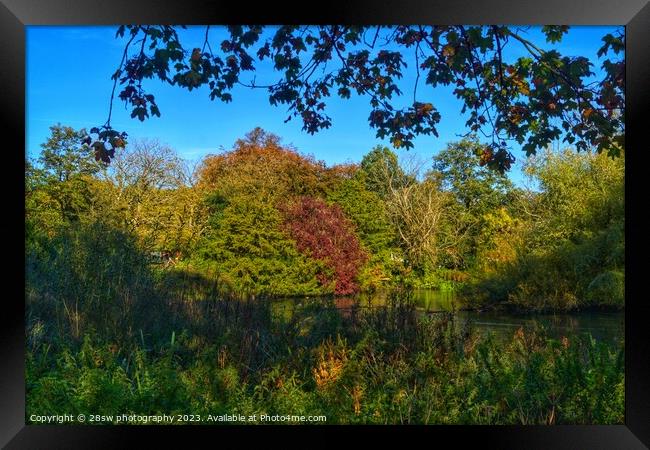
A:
[263, 219]
[260, 170]
[258, 164]
[325, 233]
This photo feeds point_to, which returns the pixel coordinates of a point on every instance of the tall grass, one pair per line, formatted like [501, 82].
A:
[109, 335]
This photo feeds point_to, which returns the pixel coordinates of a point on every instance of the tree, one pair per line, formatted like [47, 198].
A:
[57, 184]
[64, 156]
[581, 194]
[463, 172]
[324, 233]
[570, 251]
[417, 212]
[147, 165]
[252, 253]
[481, 198]
[532, 100]
[259, 165]
[382, 172]
[366, 210]
[148, 186]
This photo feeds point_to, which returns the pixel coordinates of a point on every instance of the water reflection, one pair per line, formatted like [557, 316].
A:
[603, 326]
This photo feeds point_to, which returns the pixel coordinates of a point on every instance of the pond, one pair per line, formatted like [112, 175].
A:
[603, 326]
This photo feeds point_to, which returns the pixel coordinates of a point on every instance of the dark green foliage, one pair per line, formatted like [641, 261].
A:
[366, 209]
[608, 288]
[477, 188]
[252, 255]
[65, 156]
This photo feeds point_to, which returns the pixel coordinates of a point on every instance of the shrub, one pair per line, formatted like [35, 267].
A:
[607, 289]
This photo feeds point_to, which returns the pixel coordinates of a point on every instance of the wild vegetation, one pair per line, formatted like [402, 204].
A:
[146, 283]
[384, 366]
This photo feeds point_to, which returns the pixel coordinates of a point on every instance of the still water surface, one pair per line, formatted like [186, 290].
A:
[603, 326]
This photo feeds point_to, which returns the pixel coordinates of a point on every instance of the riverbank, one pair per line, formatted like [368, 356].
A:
[388, 365]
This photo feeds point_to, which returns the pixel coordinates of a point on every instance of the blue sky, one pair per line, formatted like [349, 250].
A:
[68, 82]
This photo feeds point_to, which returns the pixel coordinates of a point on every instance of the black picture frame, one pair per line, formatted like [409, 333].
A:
[16, 14]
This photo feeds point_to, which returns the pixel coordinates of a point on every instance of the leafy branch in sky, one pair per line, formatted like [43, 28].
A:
[532, 100]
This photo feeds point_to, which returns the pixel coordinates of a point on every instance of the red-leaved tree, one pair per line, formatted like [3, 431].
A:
[323, 232]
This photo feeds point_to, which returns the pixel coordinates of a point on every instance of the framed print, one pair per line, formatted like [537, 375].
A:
[380, 218]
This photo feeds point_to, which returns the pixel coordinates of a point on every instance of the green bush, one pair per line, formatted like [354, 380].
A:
[607, 289]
